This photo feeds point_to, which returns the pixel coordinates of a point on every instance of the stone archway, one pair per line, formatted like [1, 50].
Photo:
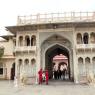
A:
[56, 44]
[50, 53]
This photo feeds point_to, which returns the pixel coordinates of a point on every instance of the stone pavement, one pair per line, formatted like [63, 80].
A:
[54, 88]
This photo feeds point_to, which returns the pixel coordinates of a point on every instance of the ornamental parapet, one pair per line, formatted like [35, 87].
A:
[56, 18]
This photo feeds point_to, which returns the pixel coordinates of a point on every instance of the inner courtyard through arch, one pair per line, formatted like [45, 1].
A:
[57, 63]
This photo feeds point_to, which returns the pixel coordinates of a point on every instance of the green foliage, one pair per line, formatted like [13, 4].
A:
[1, 51]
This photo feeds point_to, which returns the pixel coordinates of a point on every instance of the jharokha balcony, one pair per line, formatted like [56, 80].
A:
[25, 48]
[57, 18]
[85, 46]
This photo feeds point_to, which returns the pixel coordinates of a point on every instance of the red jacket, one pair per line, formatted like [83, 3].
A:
[40, 74]
[47, 76]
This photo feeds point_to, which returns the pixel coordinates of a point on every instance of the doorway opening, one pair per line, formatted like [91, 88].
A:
[13, 71]
[57, 56]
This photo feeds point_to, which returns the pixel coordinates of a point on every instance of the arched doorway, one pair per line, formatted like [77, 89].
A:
[13, 71]
[50, 53]
[55, 45]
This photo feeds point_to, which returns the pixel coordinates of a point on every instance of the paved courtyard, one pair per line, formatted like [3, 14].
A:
[54, 88]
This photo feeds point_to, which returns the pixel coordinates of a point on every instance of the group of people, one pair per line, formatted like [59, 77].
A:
[59, 73]
[43, 75]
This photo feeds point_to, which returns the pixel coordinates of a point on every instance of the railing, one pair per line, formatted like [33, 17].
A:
[56, 17]
[80, 46]
[25, 48]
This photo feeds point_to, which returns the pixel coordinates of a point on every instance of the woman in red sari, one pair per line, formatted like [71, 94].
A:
[40, 76]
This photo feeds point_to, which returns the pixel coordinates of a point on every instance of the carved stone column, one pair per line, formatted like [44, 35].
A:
[74, 59]
[37, 57]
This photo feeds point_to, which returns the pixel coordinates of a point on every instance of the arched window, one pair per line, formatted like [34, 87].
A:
[33, 67]
[92, 37]
[21, 41]
[26, 66]
[79, 38]
[27, 41]
[85, 38]
[80, 66]
[33, 40]
[93, 61]
[87, 64]
[20, 66]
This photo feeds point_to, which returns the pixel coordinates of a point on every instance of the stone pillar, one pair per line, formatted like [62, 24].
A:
[9, 71]
[75, 64]
[16, 78]
[23, 71]
[84, 67]
[30, 67]
[82, 39]
[89, 38]
[91, 67]
[23, 40]
[30, 40]
[75, 67]
[37, 57]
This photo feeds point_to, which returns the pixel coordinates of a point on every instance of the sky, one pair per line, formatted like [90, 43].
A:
[10, 9]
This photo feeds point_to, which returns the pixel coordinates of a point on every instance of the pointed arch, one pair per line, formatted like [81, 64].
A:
[87, 64]
[33, 61]
[20, 66]
[92, 38]
[26, 66]
[33, 67]
[85, 38]
[26, 61]
[20, 62]
[33, 40]
[79, 38]
[20, 41]
[80, 66]
[53, 51]
[27, 40]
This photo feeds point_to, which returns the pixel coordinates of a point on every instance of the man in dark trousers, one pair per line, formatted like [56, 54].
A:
[40, 76]
[47, 77]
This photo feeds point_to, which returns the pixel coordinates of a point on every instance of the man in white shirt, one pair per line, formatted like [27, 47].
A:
[63, 69]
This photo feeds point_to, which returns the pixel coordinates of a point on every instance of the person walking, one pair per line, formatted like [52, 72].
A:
[64, 71]
[61, 69]
[55, 71]
[47, 77]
